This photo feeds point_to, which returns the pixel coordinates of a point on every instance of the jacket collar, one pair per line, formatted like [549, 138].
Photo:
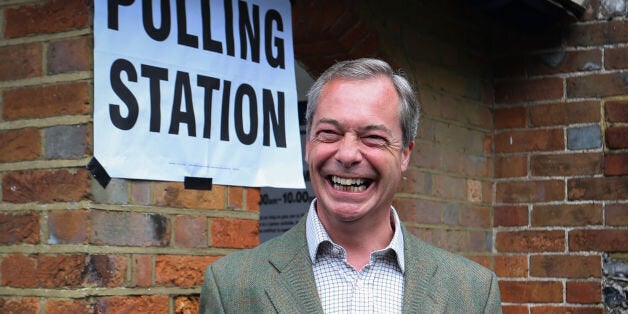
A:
[294, 289]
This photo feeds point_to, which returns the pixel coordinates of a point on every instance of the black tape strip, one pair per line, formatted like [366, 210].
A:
[98, 172]
[195, 183]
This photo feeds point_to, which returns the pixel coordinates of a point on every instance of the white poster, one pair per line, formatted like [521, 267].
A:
[201, 88]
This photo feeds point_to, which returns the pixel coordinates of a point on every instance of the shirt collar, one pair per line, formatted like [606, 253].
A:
[316, 234]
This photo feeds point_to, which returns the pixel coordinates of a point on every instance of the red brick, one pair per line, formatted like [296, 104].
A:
[598, 240]
[565, 266]
[597, 34]
[530, 241]
[474, 216]
[616, 164]
[20, 62]
[510, 216]
[186, 304]
[616, 111]
[609, 188]
[447, 187]
[252, 199]
[529, 141]
[566, 164]
[584, 292]
[190, 231]
[565, 113]
[567, 215]
[181, 271]
[530, 191]
[236, 197]
[511, 166]
[45, 271]
[19, 271]
[140, 192]
[46, 101]
[19, 228]
[49, 17]
[107, 270]
[431, 156]
[487, 192]
[549, 309]
[449, 107]
[56, 271]
[531, 291]
[67, 227]
[515, 309]
[418, 210]
[476, 190]
[20, 145]
[597, 85]
[425, 234]
[69, 55]
[25, 305]
[617, 137]
[561, 61]
[511, 266]
[175, 195]
[616, 58]
[62, 306]
[510, 118]
[616, 214]
[234, 233]
[527, 90]
[129, 229]
[458, 240]
[416, 181]
[45, 186]
[142, 270]
[157, 304]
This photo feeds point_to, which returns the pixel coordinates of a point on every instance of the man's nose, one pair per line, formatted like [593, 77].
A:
[349, 153]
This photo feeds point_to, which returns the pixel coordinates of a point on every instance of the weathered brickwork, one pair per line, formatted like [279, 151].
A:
[560, 201]
[520, 162]
[66, 244]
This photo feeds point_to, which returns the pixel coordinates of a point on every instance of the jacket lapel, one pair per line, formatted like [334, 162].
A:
[294, 288]
[419, 290]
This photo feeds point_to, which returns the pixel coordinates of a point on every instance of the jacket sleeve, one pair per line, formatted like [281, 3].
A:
[210, 295]
[493, 303]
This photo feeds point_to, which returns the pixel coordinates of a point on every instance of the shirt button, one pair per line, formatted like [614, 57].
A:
[335, 251]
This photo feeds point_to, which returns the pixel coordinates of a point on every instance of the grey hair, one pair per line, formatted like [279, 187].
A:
[366, 68]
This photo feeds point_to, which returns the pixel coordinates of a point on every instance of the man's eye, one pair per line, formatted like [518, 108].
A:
[327, 136]
[374, 140]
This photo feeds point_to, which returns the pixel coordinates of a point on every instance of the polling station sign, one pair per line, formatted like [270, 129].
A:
[196, 88]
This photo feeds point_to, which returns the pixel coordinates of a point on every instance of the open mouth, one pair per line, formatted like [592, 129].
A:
[349, 184]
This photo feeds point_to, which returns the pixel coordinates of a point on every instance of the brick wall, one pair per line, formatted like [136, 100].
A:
[561, 156]
[520, 161]
[66, 244]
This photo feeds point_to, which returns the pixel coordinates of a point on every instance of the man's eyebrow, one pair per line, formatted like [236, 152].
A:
[377, 127]
[333, 122]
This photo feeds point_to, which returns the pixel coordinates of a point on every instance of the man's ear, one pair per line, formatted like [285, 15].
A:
[406, 152]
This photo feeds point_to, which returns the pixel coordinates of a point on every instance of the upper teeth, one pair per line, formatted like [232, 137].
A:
[347, 181]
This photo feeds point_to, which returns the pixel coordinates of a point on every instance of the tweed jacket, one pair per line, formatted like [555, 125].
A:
[277, 277]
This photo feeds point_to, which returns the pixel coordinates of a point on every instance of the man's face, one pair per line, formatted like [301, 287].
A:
[354, 150]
